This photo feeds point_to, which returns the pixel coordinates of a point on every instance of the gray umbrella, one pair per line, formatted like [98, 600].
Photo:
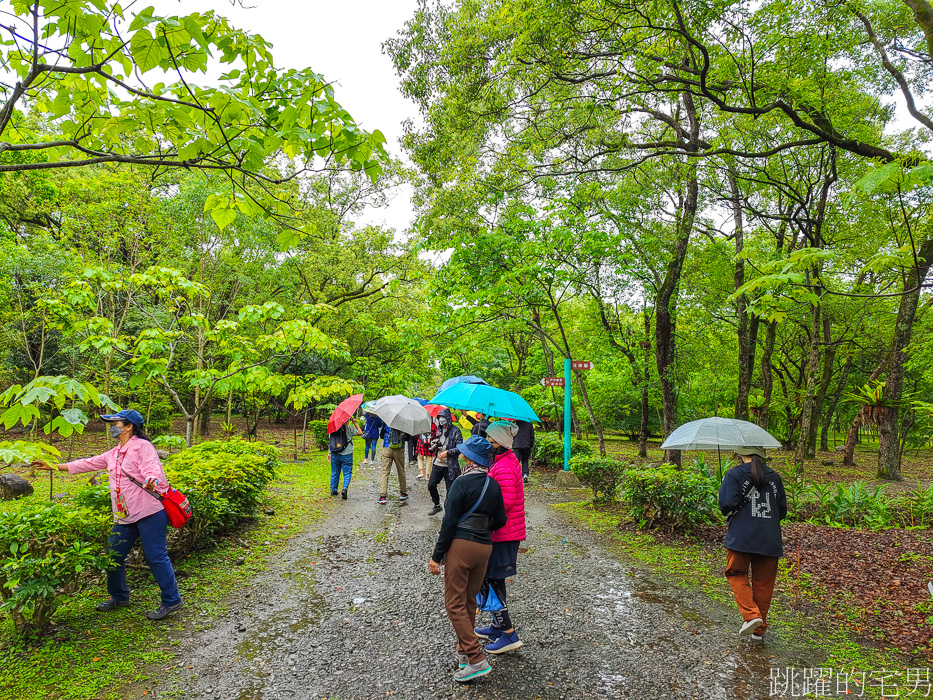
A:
[719, 433]
[403, 414]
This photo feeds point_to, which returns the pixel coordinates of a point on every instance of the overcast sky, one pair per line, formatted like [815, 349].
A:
[340, 40]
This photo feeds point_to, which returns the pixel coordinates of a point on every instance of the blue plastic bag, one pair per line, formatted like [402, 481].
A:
[490, 602]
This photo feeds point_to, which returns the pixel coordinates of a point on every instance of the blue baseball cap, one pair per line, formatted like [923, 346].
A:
[476, 449]
[127, 414]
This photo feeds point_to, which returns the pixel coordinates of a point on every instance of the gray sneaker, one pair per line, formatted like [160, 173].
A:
[749, 627]
[162, 611]
[472, 671]
[110, 604]
[463, 660]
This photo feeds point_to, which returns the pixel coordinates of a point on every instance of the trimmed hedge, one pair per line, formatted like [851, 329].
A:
[48, 549]
[666, 495]
[549, 449]
[602, 474]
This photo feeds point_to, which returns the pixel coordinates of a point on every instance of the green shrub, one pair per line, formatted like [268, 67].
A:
[47, 549]
[224, 481]
[160, 414]
[318, 430]
[170, 442]
[602, 474]
[670, 497]
[549, 449]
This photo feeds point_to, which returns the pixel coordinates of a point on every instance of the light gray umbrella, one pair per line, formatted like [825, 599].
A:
[719, 433]
[402, 414]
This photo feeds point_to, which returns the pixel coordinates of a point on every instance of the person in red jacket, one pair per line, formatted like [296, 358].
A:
[507, 471]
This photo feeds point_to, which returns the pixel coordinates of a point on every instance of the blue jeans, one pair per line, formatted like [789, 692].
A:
[151, 530]
[370, 444]
[338, 462]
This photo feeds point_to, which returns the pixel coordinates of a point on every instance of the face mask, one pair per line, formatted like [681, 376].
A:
[115, 431]
[442, 421]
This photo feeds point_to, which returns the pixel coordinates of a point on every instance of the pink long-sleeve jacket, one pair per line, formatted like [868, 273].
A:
[137, 458]
[507, 472]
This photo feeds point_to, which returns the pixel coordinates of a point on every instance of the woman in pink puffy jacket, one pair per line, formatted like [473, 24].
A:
[507, 471]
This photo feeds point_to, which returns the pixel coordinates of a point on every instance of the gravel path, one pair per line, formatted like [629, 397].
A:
[350, 612]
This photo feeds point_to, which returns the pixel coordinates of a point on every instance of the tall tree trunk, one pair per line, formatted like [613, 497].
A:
[809, 400]
[829, 356]
[645, 385]
[889, 446]
[746, 327]
[833, 402]
[767, 377]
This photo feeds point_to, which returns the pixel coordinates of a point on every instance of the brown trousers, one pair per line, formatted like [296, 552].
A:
[463, 577]
[754, 600]
[392, 456]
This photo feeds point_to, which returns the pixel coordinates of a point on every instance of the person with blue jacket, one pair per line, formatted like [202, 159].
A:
[753, 499]
[371, 437]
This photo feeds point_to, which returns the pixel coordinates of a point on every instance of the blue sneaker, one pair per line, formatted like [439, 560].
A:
[505, 642]
[491, 633]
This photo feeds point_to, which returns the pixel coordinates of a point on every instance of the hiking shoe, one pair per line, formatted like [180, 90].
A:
[403, 497]
[110, 604]
[343, 494]
[472, 671]
[505, 642]
[382, 500]
[757, 637]
[524, 478]
[492, 633]
[162, 611]
[435, 510]
[464, 661]
[420, 476]
[749, 627]
[333, 493]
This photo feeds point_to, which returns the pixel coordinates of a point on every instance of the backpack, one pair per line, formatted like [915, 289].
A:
[339, 440]
[395, 438]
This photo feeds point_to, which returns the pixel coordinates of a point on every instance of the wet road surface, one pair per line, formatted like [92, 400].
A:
[350, 611]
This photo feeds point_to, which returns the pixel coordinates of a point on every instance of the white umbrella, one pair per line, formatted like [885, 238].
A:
[403, 414]
[719, 433]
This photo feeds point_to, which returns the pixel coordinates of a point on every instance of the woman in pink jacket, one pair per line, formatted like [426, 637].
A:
[507, 471]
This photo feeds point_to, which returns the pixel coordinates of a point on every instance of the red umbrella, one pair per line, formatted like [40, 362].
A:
[345, 409]
[433, 410]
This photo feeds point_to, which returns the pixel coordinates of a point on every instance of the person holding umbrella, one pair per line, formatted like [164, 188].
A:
[752, 496]
[507, 472]
[403, 417]
[371, 437]
[474, 509]
[341, 429]
[446, 465]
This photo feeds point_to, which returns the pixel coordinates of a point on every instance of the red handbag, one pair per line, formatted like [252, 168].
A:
[173, 501]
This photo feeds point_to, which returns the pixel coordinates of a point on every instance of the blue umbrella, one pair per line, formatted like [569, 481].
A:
[486, 399]
[462, 379]
[423, 402]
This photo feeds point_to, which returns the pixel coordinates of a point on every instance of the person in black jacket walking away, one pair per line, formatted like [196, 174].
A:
[474, 507]
[752, 497]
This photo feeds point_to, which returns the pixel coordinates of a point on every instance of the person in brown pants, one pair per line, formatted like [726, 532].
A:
[752, 496]
[393, 452]
[474, 507]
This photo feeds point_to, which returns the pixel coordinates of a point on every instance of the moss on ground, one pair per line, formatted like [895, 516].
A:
[90, 655]
[699, 567]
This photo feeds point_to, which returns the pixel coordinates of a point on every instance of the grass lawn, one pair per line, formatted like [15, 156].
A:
[89, 655]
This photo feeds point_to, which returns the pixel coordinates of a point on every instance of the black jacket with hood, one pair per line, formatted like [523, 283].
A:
[448, 438]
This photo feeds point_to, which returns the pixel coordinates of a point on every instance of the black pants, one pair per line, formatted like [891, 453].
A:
[447, 474]
[501, 618]
[523, 454]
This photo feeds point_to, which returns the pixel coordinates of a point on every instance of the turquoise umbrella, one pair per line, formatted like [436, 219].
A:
[486, 399]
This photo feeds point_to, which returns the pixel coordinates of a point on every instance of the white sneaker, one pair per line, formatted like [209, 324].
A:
[749, 627]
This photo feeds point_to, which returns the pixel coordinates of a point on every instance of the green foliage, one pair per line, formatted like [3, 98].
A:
[549, 449]
[602, 475]
[223, 480]
[170, 442]
[45, 552]
[670, 497]
[159, 416]
[318, 430]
